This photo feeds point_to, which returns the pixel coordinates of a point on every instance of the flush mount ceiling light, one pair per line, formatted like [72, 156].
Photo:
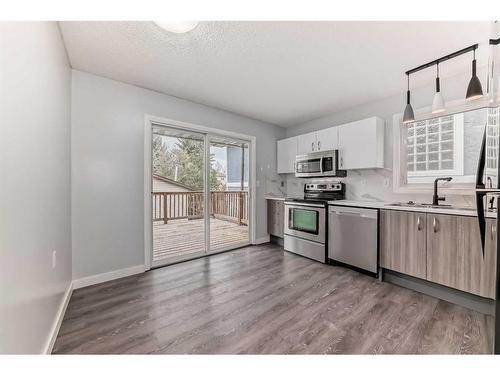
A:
[408, 116]
[177, 27]
[438, 101]
[474, 90]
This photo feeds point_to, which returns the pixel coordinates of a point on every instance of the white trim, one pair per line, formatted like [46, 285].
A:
[261, 240]
[107, 276]
[54, 331]
[149, 121]
[148, 241]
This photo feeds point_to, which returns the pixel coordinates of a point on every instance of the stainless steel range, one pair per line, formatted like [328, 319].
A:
[306, 226]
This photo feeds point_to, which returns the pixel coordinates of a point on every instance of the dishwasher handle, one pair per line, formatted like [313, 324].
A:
[356, 212]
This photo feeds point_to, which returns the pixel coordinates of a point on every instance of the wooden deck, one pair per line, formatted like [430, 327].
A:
[182, 237]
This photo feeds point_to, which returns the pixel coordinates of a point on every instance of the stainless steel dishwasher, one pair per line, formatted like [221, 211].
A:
[353, 237]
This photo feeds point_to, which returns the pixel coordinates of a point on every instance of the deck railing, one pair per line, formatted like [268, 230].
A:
[226, 205]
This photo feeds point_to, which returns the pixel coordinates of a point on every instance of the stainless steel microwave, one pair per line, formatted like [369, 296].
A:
[318, 164]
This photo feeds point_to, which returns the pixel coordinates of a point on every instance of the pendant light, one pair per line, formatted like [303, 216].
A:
[474, 90]
[438, 101]
[408, 115]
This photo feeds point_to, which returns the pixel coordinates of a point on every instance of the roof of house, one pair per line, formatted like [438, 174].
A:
[173, 182]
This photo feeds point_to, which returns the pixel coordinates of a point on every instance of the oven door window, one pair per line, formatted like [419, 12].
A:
[309, 166]
[304, 220]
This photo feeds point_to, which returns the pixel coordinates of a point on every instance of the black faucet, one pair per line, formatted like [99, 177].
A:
[436, 198]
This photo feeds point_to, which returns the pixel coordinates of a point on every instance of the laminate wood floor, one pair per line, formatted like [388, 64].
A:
[260, 299]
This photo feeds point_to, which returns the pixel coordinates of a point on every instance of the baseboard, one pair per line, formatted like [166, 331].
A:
[58, 320]
[467, 300]
[107, 276]
[262, 240]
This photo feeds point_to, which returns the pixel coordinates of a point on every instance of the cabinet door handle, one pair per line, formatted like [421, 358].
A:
[434, 225]
[419, 220]
[312, 145]
[319, 145]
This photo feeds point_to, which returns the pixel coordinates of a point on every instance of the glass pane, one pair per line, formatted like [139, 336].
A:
[421, 166]
[447, 155]
[433, 166]
[447, 145]
[433, 128]
[421, 140]
[448, 126]
[228, 184]
[433, 137]
[304, 220]
[178, 195]
[433, 156]
[421, 157]
[447, 136]
[447, 165]
[433, 147]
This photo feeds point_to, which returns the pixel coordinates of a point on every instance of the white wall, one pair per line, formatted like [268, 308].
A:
[35, 183]
[369, 183]
[107, 150]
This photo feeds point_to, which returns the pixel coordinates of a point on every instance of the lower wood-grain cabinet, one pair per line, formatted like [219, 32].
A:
[444, 249]
[403, 242]
[275, 217]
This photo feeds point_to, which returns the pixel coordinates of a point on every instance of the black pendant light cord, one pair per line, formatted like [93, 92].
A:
[437, 78]
[408, 90]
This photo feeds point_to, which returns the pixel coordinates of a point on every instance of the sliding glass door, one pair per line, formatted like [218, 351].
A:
[178, 195]
[228, 184]
[200, 194]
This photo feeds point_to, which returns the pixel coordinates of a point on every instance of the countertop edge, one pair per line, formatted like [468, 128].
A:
[386, 206]
[274, 198]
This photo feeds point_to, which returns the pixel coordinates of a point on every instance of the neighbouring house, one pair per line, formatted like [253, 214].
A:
[236, 168]
[165, 184]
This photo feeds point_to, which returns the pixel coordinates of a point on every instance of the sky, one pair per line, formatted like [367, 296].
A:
[219, 152]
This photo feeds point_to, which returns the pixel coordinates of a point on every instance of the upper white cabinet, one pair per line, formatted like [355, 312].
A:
[361, 144]
[286, 153]
[322, 140]
[306, 143]
[328, 139]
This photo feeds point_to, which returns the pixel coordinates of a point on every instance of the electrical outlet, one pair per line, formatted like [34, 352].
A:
[54, 259]
[282, 183]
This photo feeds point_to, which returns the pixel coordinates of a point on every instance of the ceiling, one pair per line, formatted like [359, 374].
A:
[284, 73]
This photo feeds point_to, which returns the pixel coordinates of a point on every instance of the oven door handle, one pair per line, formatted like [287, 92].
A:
[292, 204]
[321, 165]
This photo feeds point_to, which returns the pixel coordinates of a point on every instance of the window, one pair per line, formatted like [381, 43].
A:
[492, 142]
[434, 148]
[448, 145]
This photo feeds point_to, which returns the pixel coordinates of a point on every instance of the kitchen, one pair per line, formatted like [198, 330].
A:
[251, 187]
[436, 233]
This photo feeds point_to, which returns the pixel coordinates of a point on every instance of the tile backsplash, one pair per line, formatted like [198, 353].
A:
[372, 184]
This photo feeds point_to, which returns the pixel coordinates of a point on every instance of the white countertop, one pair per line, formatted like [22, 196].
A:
[387, 206]
[275, 197]
[354, 203]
